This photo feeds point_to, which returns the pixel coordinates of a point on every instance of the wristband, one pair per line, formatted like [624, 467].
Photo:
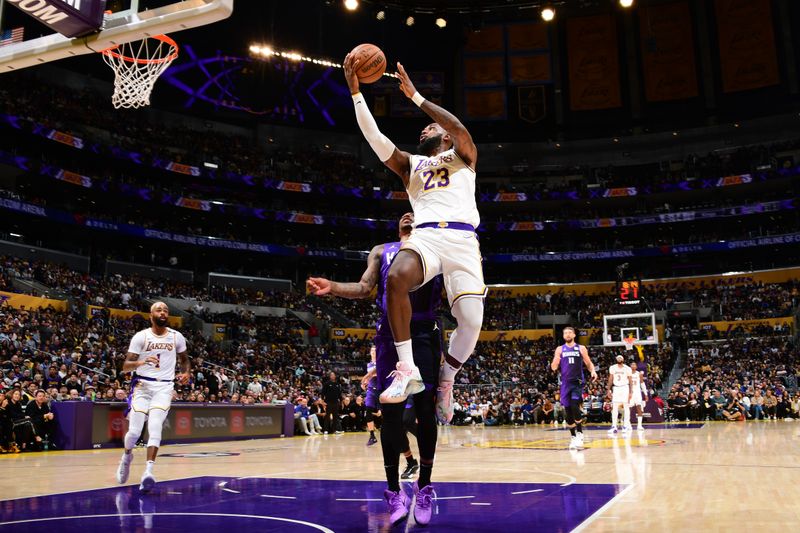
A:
[358, 96]
[418, 99]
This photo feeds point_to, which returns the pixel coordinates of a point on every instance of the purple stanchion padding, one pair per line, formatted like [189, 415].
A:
[73, 425]
[288, 420]
[304, 505]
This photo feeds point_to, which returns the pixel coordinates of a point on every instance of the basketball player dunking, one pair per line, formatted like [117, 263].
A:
[570, 358]
[441, 188]
[152, 357]
[427, 352]
[619, 381]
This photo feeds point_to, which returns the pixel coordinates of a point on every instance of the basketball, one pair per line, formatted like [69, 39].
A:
[372, 63]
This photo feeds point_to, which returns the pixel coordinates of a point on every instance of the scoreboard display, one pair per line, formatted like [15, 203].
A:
[629, 292]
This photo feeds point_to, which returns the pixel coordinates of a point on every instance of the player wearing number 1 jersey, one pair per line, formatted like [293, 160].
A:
[153, 354]
[440, 182]
[570, 358]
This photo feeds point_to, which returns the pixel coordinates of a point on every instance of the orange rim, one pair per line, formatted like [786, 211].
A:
[163, 38]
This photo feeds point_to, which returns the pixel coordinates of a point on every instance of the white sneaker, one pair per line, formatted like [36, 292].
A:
[573, 443]
[407, 380]
[124, 468]
[640, 429]
[148, 481]
[444, 401]
[612, 431]
[579, 436]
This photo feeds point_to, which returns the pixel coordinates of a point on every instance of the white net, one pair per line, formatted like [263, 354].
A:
[137, 66]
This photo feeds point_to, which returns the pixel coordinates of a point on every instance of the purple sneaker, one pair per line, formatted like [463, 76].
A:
[423, 506]
[398, 504]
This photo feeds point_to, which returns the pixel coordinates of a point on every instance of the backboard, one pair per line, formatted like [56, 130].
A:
[641, 326]
[130, 20]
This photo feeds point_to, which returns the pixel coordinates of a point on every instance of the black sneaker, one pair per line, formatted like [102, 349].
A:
[411, 469]
[372, 441]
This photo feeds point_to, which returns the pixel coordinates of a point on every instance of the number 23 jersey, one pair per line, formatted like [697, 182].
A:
[441, 188]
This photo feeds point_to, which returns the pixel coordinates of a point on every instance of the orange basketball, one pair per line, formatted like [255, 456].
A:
[372, 62]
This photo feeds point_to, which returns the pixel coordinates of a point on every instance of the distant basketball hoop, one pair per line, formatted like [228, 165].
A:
[629, 342]
[137, 65]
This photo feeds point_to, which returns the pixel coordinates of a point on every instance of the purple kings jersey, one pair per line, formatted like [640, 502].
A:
[571, 364]
[424, 301]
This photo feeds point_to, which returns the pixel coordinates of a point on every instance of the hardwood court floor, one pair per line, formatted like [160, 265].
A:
[720, 476]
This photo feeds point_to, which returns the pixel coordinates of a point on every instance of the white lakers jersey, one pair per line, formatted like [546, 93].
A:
[442, 189]
[620, 375]
[165, 348]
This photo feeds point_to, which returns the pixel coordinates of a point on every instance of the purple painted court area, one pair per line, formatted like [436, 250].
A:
[303, 505]
[675, 425]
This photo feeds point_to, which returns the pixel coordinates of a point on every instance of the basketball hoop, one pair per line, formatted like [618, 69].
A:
[137, 66]
[629, 342]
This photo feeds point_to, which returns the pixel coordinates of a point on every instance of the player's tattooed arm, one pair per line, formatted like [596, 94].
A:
[556, 359]
[462, 140]
[186, 367]
[355, 291]
[132, 362]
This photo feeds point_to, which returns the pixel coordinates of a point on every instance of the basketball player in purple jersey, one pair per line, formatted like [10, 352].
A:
[440, 181]
[426, 336]
[570, 358]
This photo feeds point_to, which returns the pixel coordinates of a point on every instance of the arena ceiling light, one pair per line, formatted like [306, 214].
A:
[380, 15]
[351, 5]
[441, 22]
[410, 20]
[626, 3]
[548, 12]
[267, 52]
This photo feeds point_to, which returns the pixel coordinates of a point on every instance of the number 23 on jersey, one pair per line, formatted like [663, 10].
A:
[436, 179]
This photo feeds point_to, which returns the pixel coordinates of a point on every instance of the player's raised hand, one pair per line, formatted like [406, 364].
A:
[319, 286]
[405, 82]
[350, 64]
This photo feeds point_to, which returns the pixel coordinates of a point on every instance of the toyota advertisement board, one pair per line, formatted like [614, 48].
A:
[193, 423]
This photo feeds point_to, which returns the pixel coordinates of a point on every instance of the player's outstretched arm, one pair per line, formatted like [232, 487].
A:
[556, 359]
[462, 140]
[354, 291]
[397, 160]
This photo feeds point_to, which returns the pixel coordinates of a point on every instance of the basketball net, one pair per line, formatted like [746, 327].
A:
[629, 341]
[137, 66]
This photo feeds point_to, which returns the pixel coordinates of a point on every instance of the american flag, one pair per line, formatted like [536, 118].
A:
[11, 36]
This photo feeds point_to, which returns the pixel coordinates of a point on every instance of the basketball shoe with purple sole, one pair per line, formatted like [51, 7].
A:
[423, 504]
[398, 504]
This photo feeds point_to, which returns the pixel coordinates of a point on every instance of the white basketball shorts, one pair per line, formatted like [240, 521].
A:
[620, 395]
[453, 253]
[152, 395]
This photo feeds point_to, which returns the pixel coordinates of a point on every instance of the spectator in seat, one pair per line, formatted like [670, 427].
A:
[757, 406]
[719, 402]
[6, 427]
[42, 418]
[733, 411]
[679, 406]
[770, 404]
[23, 428]
[348, 414]
[302, 415]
